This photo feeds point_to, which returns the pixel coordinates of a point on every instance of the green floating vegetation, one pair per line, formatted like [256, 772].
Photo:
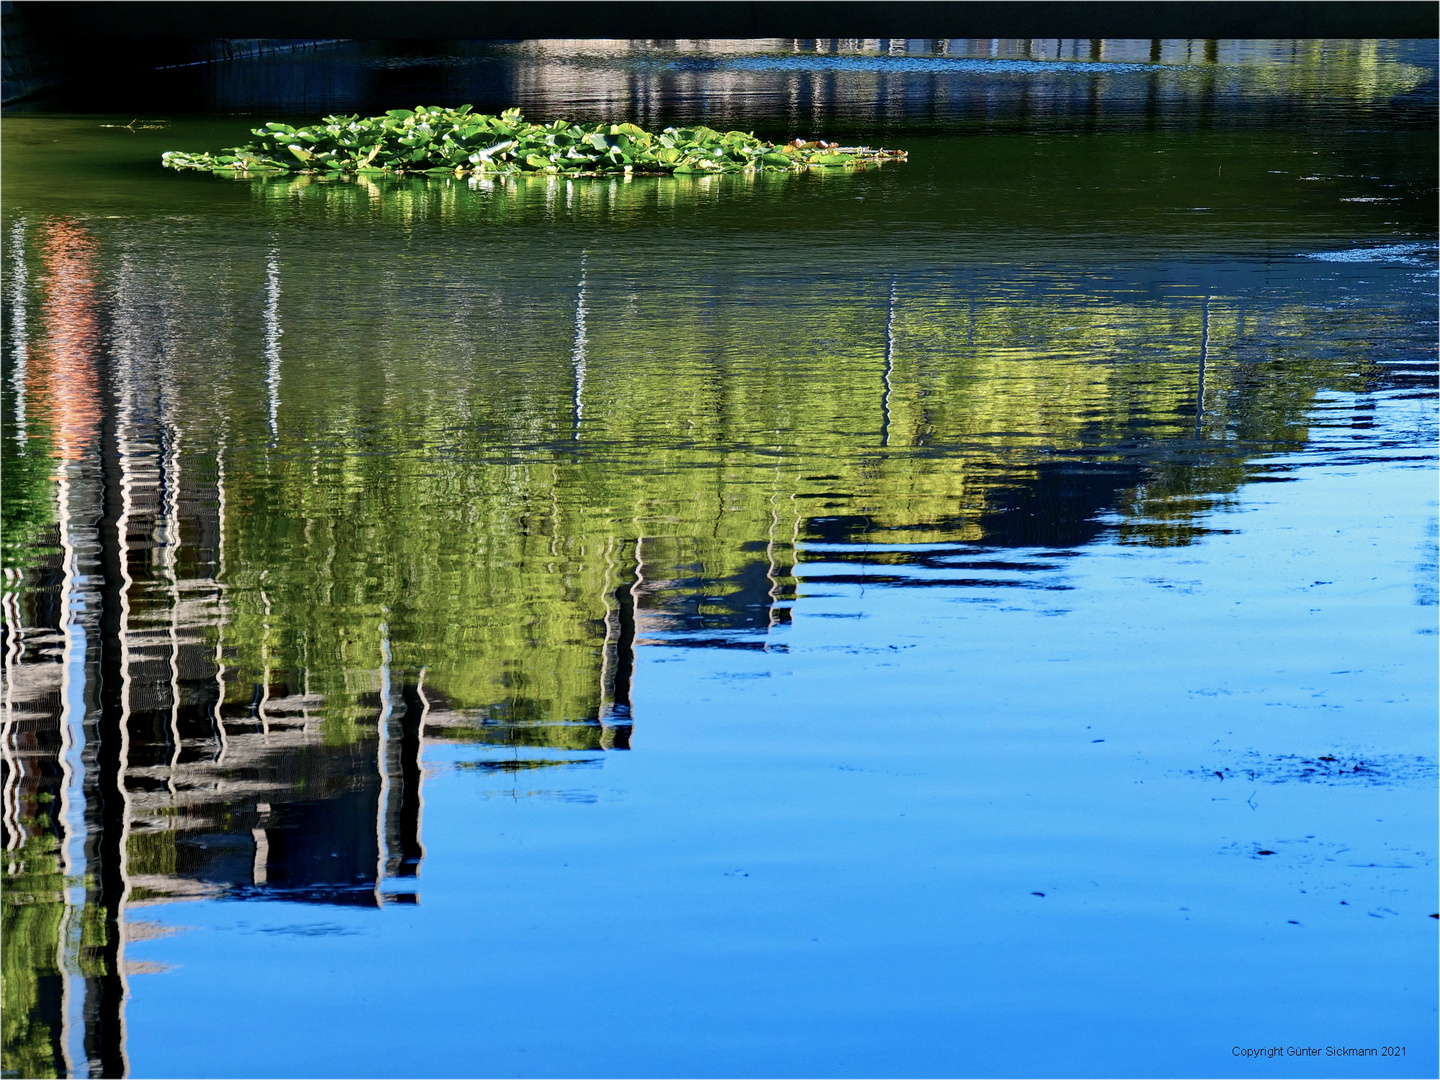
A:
[458, 142]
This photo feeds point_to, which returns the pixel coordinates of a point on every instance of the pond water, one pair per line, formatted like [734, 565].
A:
[970, 617]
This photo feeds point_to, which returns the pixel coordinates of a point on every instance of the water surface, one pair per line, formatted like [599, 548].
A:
[973, 617]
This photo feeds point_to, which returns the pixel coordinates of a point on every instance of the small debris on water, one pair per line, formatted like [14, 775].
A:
[1324, 769]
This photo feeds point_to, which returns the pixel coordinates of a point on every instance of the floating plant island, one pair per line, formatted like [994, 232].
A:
[457, 142]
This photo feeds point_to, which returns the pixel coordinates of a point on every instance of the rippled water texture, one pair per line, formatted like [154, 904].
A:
[971, 617]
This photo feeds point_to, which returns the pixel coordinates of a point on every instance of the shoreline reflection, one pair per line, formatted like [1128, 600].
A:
[351, 483]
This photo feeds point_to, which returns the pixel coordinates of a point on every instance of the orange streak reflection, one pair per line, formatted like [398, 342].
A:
[67, 385]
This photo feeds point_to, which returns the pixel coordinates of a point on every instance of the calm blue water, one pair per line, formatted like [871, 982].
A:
[825, 861]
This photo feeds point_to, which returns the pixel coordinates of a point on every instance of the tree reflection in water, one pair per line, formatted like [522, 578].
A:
[300, 490]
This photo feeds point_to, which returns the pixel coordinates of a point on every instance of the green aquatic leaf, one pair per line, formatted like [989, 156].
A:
[438, 141]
